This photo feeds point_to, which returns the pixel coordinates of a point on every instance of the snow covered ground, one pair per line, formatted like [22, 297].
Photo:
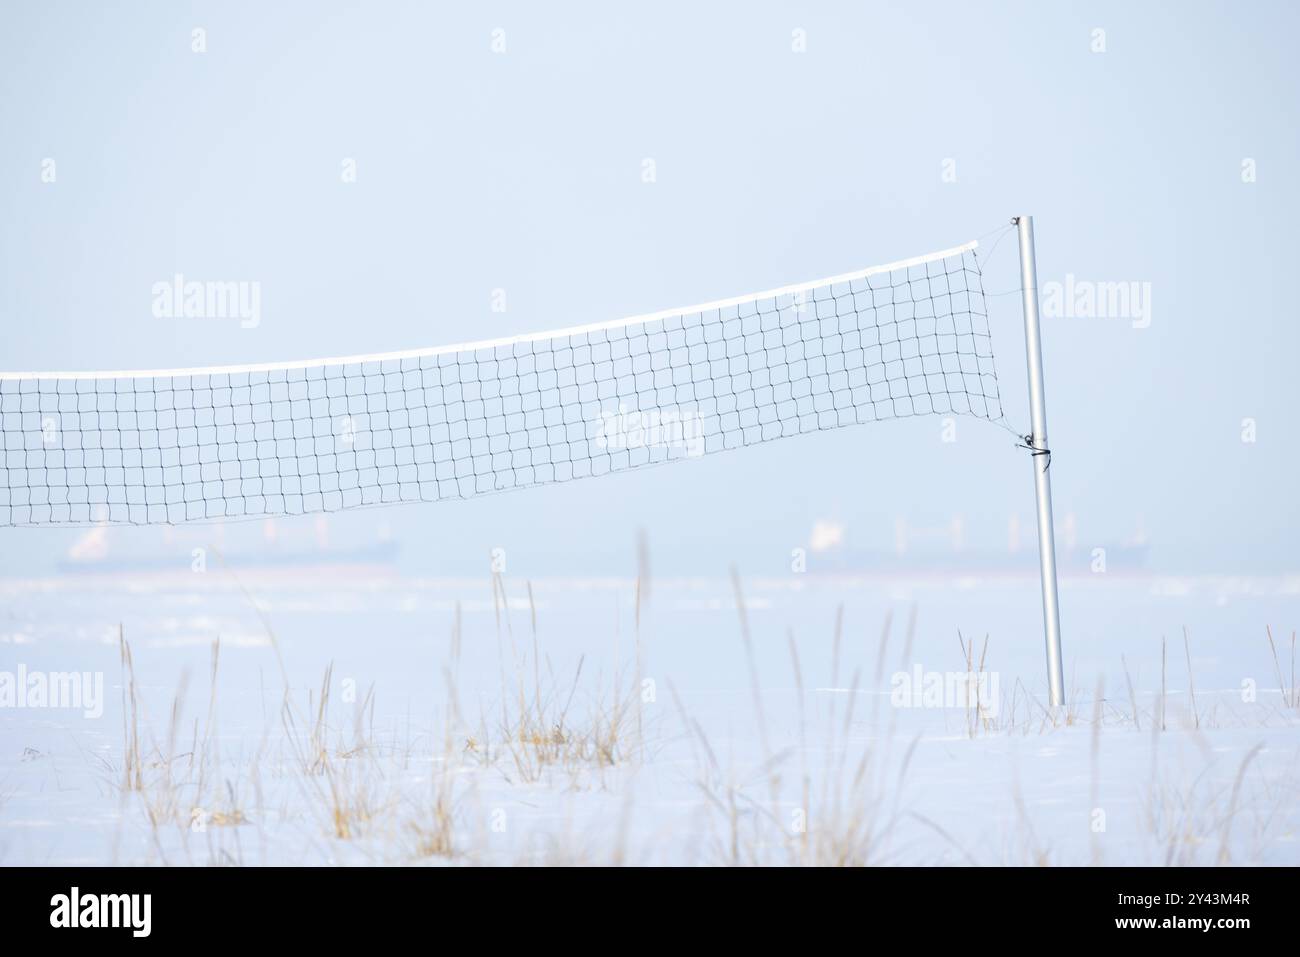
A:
[359, 717]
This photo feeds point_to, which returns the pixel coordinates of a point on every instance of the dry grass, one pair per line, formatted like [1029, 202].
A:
[341, 770]
[1191, 819]
[980, 714]
[842, 800]
[179, 792]
[842, 813]
[432, 831]
[1290, 693]
[132, 762]
[540, 728]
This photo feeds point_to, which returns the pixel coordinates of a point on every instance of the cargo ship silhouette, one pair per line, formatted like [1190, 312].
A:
[180, 550]
[943, 550]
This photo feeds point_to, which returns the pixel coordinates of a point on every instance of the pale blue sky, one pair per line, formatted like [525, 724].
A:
[522, 171]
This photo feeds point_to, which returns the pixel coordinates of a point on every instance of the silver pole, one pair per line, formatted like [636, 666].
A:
[1041, 458]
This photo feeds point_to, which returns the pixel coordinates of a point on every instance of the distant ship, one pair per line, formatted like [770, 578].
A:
[179, 551]
[944, 551]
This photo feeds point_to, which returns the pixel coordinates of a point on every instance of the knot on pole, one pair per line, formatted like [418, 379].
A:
[1028, 442]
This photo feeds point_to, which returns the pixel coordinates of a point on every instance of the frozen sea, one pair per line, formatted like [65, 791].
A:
[712, 721]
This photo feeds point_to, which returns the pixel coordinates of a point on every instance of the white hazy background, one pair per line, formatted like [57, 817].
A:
[522, 171]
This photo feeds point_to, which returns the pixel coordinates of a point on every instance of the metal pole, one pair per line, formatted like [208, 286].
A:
[1041, 459]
